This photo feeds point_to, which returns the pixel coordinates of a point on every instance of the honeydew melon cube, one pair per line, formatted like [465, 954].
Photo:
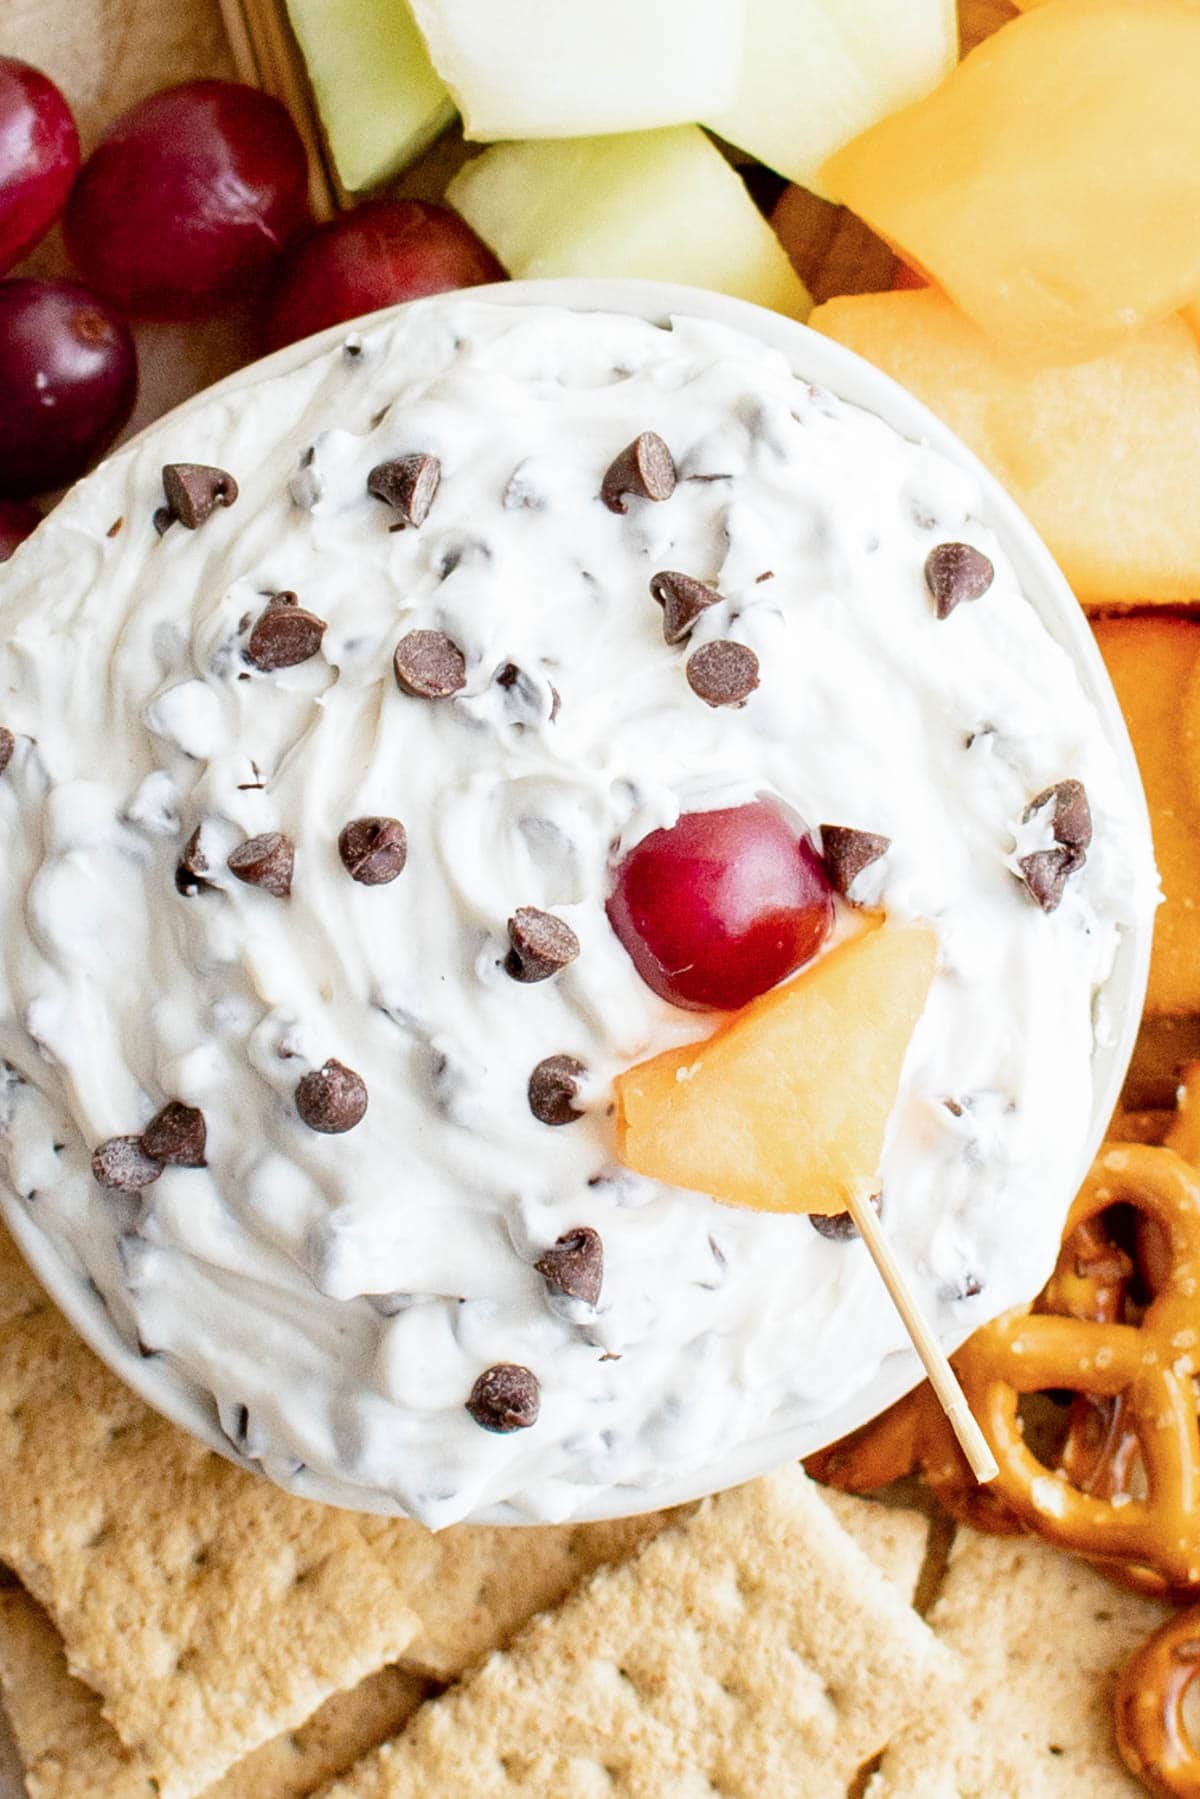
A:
[380, 100]
[663, 205]
[1104, 456]
[1051, 185]
[573, 68]
[817, 72]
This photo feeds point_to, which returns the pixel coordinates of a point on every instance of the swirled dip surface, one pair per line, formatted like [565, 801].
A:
[338, 1296]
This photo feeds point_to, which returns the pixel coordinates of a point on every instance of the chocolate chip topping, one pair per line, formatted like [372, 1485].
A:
[408, 485]
[723, 673]
[284, 635]
[1045, 874]
[846, 852]
[645, 468]
[682, 599]
[1072, 821]
[838, 1227]
[331, 1099]
[123, 1166]
[430, 665]
[541, 945]
[554, 1088]
[955, 572]
[177, 1136]
[373, 850]
[574, 1265]
[192, 868]
[8, 744]
[267, 861]
[505, 1397]
[194, 491]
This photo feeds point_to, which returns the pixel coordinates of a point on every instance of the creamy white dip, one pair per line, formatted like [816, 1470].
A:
[339, 1295]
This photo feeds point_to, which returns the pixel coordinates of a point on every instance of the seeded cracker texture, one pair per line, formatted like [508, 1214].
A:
[70, 1752]
[209, 1609]
[1042, 1638]
[753, 1649]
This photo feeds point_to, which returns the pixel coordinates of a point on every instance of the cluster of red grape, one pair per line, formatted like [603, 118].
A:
[195, 198]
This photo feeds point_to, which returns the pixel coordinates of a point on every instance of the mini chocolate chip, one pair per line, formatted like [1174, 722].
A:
[284, 635]
[682, 599]
[177, 1136]
[164, 518]
[430, 665]
[408, 485]
[8, 744]
[191, 869]
[846, 852]
[723, 673]
[839, 1227]
[553, 1089]
[373, 850]
[645, 468]
[123, 1166]
[574, 1265]
[1072, 821]
[541, 945]
[1045, 873]
[267, 861]
[505, 1397]
[331, 1099]
[955, 572]
[194, 491]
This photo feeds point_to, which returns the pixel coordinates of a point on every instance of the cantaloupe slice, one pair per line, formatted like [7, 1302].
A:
[380, 101]
[817, 72]
[785, 1108]
[1103, 456]
[663, 205]
[1155, 668]
[1051, 185]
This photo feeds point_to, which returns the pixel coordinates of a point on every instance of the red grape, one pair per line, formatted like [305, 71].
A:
[17, 522]
[68, 374]
[188, 199]
[388, 251]
[722, 905]
[39, 157]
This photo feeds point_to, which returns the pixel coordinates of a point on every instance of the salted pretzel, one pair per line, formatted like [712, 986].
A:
[1151, 1733]
[1149, 1366]
[1090, 1281]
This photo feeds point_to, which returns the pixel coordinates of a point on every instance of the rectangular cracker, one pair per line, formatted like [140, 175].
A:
[893, 1537]
[70, 1751]
[751, 1649]
[1041, 1637]
[473, 1586]
[210, 1610]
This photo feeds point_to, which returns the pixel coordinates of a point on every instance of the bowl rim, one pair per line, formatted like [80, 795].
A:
[829, 364]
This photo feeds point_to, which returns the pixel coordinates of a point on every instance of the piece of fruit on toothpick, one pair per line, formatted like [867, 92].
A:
[663, 205]
[1104, 456]
[518, 70]
[784, 1108]
[818, 72]
[1051, 185]
[380, 99]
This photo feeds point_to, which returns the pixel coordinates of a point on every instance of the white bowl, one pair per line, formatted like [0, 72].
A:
[821, 361]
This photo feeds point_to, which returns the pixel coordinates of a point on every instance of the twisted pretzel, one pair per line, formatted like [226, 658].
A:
[1148, 1366]
[1151, 1733]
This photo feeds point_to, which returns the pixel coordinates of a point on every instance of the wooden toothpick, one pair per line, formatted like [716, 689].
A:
[942, 1377]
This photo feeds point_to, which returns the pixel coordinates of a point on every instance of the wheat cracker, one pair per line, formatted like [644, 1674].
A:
[70, 1751]
[1042, 1637]
[751, 1648]
[209, 1609]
